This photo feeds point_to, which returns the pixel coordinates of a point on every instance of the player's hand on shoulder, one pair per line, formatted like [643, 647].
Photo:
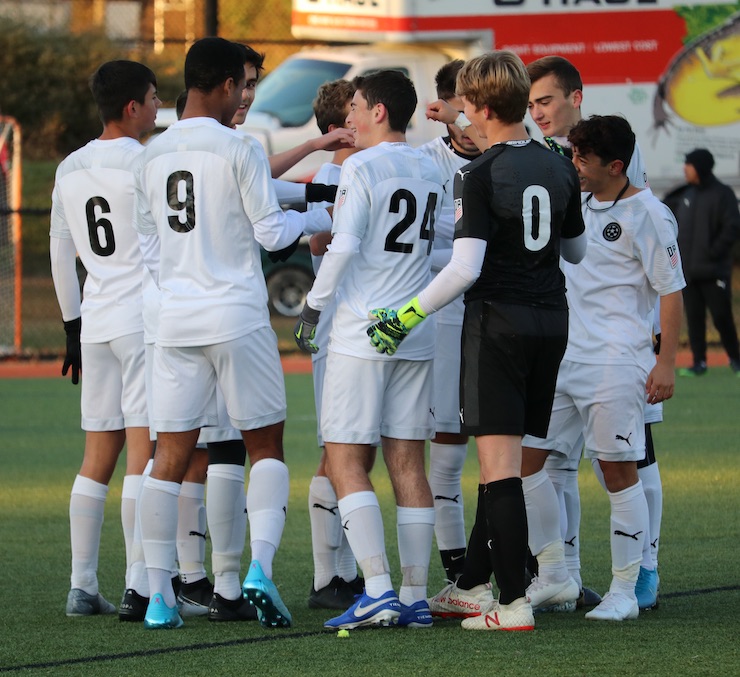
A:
[305, 329]
[319, 242]
[73, 354]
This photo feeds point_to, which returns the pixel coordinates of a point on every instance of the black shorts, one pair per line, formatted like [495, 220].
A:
[510, 359]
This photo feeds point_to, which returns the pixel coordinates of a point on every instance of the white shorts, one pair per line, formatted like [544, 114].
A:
[605, 404]
[566, 461]
[223, 431]
[654, 413]
[247, 369]
[113, 393]
[364, 399]
[447, 379]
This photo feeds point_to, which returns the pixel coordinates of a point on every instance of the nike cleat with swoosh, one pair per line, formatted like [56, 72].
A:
[416, 615]
[514, 617]
[368, 611]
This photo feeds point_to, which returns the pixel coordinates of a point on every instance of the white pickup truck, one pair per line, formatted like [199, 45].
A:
[668, 66]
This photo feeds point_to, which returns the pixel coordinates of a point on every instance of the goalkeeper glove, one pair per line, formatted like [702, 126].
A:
[320, 192]
[394, 326]
[305, 329]
[73, 356]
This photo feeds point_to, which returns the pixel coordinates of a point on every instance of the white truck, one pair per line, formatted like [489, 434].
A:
[671, 67]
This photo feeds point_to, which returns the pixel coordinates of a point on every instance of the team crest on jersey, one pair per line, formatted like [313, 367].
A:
[458, 209]
[673, 254]
[612, 231]
[341, 197]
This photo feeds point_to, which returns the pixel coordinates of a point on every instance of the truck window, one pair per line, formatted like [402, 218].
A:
[288, 92]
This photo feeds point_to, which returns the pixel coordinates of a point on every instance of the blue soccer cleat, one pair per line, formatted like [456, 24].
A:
[367, 611]
[416, 615]
[261, 592]
[161, 617]
[646, 589]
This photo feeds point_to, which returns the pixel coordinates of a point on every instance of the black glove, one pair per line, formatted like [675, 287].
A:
[320, 192]
[285, 253]
[656, 345]
[73, 357]
[305, 329]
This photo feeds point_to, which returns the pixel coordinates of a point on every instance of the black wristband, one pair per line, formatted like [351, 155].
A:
[285, 253]
[320, 192]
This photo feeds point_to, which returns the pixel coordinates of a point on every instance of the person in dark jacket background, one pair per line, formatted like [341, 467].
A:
[708, 224]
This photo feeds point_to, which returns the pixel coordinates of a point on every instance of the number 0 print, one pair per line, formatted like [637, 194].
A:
[536, 217]
[178, 183]
[100, 226]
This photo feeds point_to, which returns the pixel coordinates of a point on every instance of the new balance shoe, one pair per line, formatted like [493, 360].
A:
[588, 599]
[417, 615]
[132, 607]
[261, 592]
[514, 617]
[367, 611]
[222, 609]
[161, 617]
[337, 595]
[548, 596]
[646, 589]
[81, 603]
[454, 602]
[194, 599]
[616, 606]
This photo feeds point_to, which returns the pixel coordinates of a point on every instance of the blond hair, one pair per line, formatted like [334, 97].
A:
[498, 80]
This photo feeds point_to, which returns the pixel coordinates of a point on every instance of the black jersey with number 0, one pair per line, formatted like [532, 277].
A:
[521, 198]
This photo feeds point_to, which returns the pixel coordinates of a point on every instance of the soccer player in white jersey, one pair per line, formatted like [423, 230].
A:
[555, 106]
[206, 192]
[448, 448]
[388, 202]
[609, 367]
[92, 213]
[335, 579]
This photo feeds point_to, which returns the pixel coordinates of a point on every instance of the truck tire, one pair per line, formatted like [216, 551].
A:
[287, 288]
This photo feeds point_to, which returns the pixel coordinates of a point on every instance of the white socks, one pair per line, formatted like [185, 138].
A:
[267, 503]
[543, 523]
[158, 510]
[446, 463]
[565, 481]
[86, 505]
[326, 531]
[363, 525]
[227, 523]
[129, 495]
[628, 526]
[415, 533]
[191, 532]
[653, 488]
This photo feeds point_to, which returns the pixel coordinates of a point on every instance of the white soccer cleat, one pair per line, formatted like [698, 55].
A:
[453, 602]
[616, 606]
[514, 617]
[548, 596]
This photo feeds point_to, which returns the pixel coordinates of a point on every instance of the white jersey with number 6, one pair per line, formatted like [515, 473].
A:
[389, 197]
[93, 203]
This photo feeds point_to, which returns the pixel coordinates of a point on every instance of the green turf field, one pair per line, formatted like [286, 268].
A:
[695, 631]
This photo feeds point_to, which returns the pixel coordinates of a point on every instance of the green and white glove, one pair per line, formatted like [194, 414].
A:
[394, 325]
[305, 329]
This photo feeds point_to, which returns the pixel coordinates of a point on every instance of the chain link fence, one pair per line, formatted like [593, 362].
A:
[156, 32]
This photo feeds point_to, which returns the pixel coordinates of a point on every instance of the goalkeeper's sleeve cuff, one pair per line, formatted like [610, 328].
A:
[411, 314]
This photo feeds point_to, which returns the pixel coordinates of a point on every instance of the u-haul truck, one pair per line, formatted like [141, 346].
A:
[671, 67]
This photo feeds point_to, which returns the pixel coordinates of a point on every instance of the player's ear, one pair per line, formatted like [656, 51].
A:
[131, 109]
[616, 167]
[577, 98]
[381, 112]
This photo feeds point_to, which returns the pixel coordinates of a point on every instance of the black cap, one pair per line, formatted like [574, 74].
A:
[702, 160]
